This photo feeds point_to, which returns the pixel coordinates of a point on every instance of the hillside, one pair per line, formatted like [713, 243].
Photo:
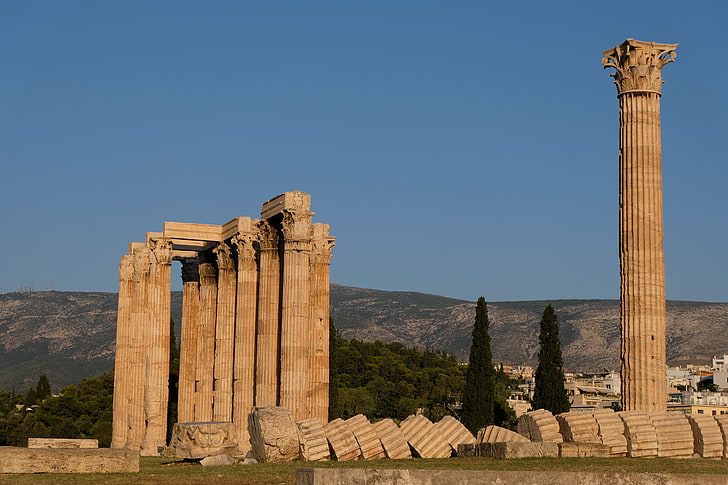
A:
[70, 335]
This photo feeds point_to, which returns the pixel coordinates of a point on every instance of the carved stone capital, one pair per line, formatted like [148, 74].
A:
[207, 270]
[638, 65]
[296, 225]
[268, 236]
[162, 250]
[322, 249]
[223, 253]
[245, 245]
[142, 262]
[190, 270]
[126, 268]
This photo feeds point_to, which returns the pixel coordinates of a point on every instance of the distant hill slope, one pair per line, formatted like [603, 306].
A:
[70, 335]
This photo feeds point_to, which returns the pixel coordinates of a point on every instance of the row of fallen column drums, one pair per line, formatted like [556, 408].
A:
[633, 433]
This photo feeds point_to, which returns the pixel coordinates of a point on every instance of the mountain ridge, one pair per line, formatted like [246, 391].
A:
[70, 335]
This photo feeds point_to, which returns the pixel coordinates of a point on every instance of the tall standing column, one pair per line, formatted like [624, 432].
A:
[206, 342]
[245, 315]
[642, 293]
[266, 353]
[322, 247]
[122, 360]
[139, 318]
[224, 334]
[296, 327]
[156, 390]
[188, 340]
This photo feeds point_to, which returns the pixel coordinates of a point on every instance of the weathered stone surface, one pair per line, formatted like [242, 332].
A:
[722, 420]
[366, 436]
[643, 316]
[424, 438]
[611, 431]
[44, 460]
[515, 449]
[273, 434]
[640, 433]
[67, 443]
[314, 446]
[342, 441]
[578, 427]
[495, 434]
[707, 436]
[454, 432]
[539, 425]
[674, 435]
[369, 476]
[198, 440]
[394, 443]
[583, 450]
[218, 460]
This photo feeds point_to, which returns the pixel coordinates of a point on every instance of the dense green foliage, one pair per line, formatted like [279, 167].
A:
[82, 411]
[478, 399]
[550, 393]
[391, 380]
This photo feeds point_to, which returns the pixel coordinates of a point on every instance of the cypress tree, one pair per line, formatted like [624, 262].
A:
[550, 393]
[478, 398]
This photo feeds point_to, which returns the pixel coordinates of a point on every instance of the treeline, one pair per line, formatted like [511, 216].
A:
[372, 378]
[394, 381]
[82, 411]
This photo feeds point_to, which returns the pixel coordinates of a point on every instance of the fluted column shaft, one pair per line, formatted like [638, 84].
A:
[188, 340]
[642, 274]
[320, 308]
[122, 360]
[156, 390]
[224, 334]
[296, 325]
[642, 291]
[267, 350]
[206, 343]
[245, 317]
[140, 316]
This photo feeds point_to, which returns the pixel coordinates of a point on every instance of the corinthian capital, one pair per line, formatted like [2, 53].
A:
[638, 65]
[296, 225]
[126, 267]
[244, 244]
[268, 236]
[224, 257]
[162, 250]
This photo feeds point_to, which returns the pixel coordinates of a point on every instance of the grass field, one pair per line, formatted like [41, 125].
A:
[166, 472]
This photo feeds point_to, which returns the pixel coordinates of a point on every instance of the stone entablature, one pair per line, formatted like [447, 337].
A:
[255, 322]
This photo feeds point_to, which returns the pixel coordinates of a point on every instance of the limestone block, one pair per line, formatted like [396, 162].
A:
[515, 449]
[578, 427]
[722, 420]
[342, 441]
[43, 460]
[707, 437]
[640, 433]
[218, 460]
[393, 441]
[68, 443]
[611, 431]
[583, 450]
[674, 435]
[314, 446]
[539, 425]
[198, 440]
[495, 434]
[273, 434]
[424, 438]
[454, 432]
[467, 450]
[366, 436]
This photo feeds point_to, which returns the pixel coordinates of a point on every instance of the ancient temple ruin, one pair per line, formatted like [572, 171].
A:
[642, 293]
[255, 322]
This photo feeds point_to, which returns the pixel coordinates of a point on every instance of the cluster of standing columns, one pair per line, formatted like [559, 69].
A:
[255, 323]
[642, 292]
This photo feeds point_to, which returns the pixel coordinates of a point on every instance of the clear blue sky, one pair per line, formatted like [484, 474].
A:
[461, 148]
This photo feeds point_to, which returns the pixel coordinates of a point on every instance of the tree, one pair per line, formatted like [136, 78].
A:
[550, 393]
[479, 395]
